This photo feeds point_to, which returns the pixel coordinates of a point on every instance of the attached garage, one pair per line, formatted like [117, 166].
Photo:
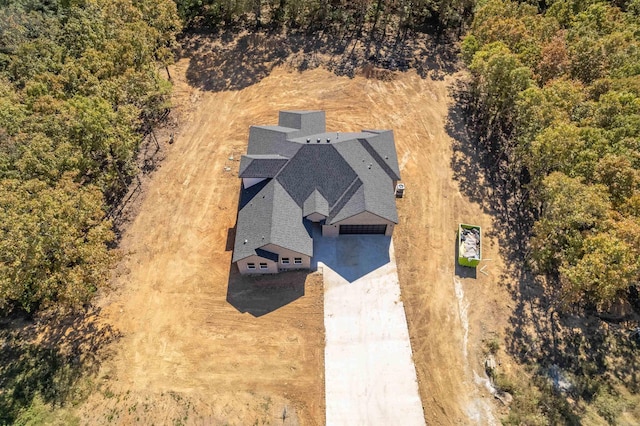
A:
[363, 229]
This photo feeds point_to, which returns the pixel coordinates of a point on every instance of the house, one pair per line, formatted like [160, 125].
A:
[297, 174]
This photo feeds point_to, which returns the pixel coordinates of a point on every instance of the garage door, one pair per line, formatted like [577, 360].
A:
[363, 229]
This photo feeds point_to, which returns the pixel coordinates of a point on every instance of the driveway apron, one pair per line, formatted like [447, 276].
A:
[370, 378]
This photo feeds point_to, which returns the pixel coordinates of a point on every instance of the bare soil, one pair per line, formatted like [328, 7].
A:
[201, 344]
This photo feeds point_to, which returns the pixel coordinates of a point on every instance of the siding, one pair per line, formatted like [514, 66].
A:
[272, 267]
[282, 252]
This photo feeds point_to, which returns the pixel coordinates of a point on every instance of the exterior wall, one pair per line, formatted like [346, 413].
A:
[364, 218]
[330, 230]
[316, 217]
[249, 182]
[282, 252]
[272, 267]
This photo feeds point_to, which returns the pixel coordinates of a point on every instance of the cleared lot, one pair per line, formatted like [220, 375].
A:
[199, 345]
[369, 374]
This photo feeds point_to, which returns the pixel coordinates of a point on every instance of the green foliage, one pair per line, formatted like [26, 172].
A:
[499, 78]
[609, 405]
[555, 95]
[32, 377]
[571, 210]
[606, 268]
[566, 143]
[52, 241]
[78, 81]
[312, 15]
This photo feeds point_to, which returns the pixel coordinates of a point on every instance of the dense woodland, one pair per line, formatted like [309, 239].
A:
[79, 80]
[366, 16]
[553, 105]
[555, 100]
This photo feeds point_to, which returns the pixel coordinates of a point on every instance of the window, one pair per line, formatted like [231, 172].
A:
[251, 266]
[285, 260]
[297, 260]
[263, 266]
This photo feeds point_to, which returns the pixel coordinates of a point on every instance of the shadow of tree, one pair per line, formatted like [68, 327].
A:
[235, 59]
[262, 294]
[578, 345]
[46, 357]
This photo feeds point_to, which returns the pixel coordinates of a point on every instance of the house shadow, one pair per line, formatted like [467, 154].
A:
[351, 256]
[462, 271]
[259, 295]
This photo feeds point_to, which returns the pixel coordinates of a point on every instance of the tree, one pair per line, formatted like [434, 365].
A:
[605, 271]
[53, 243]
[571, 210]
[621, 179]
[79, 81]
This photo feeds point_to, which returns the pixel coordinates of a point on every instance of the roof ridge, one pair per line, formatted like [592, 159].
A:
[376, 156]
[356, 183]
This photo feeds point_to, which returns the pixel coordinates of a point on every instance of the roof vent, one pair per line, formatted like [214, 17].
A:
[318, 140]
[370, 165]
[308, 140]
[328, 140]
[246, 241]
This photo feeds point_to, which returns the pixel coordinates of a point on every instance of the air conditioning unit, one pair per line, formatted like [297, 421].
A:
[399, 190]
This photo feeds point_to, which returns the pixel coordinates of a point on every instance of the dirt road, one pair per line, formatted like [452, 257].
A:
[191, 352]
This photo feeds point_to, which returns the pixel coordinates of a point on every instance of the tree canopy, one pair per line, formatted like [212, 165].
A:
[555, 97]
[78, 81]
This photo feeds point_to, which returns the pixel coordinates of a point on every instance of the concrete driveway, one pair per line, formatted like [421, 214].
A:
[370, 377]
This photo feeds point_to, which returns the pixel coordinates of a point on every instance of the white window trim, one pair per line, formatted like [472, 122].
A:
[286, 260]
[264, 265]
[251, 265]
[297, 260]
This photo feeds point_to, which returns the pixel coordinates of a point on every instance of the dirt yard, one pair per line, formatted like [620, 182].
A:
[202, 345]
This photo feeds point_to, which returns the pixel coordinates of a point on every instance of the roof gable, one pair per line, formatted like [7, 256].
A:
[315, 203]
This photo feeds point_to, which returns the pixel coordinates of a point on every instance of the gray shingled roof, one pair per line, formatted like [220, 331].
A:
[315, 203]
[289, 230]
[379, 198]
[383, 150]
[309, 121]
[316, 167]
[271, 217]
[261, 166]
[351, 174]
